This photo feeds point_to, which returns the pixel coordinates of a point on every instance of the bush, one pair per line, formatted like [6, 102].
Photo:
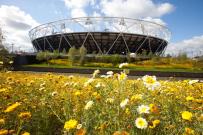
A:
[72, 54]
[45, 56]
[6, 59]
[83, 52]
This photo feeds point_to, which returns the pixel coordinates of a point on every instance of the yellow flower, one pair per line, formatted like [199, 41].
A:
[26, 133]
[154, 123]
[71, 124]
[25, 115]
[186, 115]
[77, 93]
[96, 95]
[127, 111]
[122, 76]
[189, 98]
[200, 118]
[3, 132]
[12, 107]
[189, 131]
[81, 132]
[109, 100]
[154, 108]
[141, 123]
[121, 133]
[3, 90]
[136, 97]
[2, 121]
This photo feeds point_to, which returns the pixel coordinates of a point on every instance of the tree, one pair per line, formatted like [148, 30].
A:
[46, 56]
[83, 52]
[72, 54]
[6, 59]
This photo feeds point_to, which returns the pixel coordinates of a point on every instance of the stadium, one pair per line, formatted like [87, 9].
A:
[103, 35]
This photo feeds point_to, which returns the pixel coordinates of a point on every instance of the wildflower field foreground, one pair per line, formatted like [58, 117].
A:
[50, 104]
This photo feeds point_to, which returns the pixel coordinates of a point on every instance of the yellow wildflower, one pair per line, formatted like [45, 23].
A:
[186, 115]
[24, 115]
[189, 131]
[12, 107]
[96, 95]
[2, 121]
[154, 123]
[189, 98]
[3, 132]
[122, 76]
[109, 100]
[136, 97]
[81, 132]
[77, 93]
[121, 133]
[71, 124]
[200, 118]
[26, 133]
[3, 89]
[127, 111]
[154, 108]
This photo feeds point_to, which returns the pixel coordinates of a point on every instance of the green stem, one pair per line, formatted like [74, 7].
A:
[20, 127]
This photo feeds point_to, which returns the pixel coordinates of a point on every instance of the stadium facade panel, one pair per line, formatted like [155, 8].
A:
[104, 35]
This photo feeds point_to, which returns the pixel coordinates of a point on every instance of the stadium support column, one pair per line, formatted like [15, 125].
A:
[113, 43]
[125, 42]
[141, 44]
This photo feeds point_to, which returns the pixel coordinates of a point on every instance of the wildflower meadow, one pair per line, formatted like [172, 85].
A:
[110, 104]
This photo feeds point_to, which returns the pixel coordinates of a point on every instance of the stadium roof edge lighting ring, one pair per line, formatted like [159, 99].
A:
[105, 35]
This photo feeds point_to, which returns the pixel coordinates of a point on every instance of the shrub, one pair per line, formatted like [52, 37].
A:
[83, 52]
[6, 59]
[72, 54]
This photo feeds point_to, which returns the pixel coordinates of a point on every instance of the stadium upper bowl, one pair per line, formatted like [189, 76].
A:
[46, 36]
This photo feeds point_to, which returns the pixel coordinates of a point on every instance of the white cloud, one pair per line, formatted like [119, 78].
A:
[155, 20]
[16, 24]
[192, 47]
[78, 3]
[139, 9]
[77, 7]
[78, 12]
[134, 8]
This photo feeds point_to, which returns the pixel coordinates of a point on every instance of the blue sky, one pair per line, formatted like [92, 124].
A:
[184, 18]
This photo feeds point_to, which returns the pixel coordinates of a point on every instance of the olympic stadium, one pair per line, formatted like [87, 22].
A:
[103, 35]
